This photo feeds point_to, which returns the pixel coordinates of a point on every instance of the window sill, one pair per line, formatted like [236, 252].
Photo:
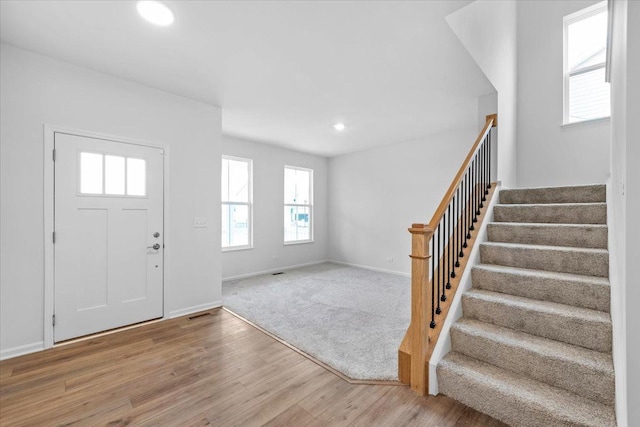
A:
[598, 120]
[237, 248]
[298, 242]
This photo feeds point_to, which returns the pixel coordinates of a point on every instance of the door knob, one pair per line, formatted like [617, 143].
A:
[155, 247]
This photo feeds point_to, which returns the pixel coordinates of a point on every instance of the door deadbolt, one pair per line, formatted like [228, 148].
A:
[156, 234]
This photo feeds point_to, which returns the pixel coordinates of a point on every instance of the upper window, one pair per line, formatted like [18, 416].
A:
[236, 203]
[298, 204]
[586, 94]
[104, 174]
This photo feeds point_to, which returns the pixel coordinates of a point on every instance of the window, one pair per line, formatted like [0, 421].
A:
[236, 203]
[104, 174]
[298, 204]
[586, 94]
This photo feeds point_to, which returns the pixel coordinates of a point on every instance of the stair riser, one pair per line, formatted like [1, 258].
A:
[574, 293]
[577, 237]
[586, 194]
[495, 403]
[594, 335]
[499, 403]
[565, 374]
[552, 214]
[563, 261]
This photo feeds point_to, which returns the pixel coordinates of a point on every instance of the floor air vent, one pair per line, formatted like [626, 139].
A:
[199, 315]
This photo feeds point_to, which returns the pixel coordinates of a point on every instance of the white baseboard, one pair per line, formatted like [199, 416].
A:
[273, 270]
[366, 267]
[617, 309]
[21, 350]
[194, 309]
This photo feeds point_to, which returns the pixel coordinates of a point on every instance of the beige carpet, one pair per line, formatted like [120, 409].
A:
[349, 318]
[533, 347]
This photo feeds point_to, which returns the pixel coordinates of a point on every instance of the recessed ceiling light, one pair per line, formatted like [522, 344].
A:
[155, 12]
[339, 127]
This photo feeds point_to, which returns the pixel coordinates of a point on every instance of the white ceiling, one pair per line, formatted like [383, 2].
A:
[283, 72]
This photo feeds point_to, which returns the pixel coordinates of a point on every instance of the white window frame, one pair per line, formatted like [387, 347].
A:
[309, 205]
[249, 205]
[568, 20]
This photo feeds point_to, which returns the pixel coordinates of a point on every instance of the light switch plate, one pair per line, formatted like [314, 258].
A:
[200, 223]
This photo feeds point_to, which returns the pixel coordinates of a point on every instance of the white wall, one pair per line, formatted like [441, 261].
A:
[375, 196]
[487, 104]
[632, 189]
[548, 153]
[37, 90]
[269, 252]
[487, 29]
[624, 208]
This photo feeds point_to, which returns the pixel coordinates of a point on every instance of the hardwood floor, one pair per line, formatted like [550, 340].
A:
[210, 370]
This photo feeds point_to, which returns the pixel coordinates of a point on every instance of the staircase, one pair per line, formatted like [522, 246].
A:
[533, 347]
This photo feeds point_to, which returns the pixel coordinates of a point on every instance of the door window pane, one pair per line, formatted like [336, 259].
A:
[90, 173]
[114, 175]
[136, 177]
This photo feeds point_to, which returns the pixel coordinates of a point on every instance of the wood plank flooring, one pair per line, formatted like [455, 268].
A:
[210, 370]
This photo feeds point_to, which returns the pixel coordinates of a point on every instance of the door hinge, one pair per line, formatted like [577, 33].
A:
[53, 320]
[54, 154]
[54, 236]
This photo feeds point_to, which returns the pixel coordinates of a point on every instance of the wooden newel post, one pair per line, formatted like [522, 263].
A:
[420, 306]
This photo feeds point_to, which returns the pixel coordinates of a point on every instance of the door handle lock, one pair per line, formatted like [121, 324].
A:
[154, 247]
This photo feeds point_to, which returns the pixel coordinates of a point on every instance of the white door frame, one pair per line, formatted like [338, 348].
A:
[49, 195]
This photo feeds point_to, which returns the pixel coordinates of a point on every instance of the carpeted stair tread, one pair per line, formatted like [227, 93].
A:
[573, 325]
[571, 235]
[585, 372]
[563, 213]
[560, 259]
[578, 194]
[516, 399]
[565, 288]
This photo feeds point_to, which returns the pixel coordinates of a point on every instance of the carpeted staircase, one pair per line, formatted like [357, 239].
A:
[533, 347]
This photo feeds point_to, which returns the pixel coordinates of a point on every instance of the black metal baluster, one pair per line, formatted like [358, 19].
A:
[445, 228]
[475, 188]
[433, 282]
[444, 255]
[462, 221]
[478, 158]
[469, 205]
[484, 168]
[472, 198]
[449, 242]
[438, 311]
[458, 248]
[454, 235]
[489, 169]
[483, 174]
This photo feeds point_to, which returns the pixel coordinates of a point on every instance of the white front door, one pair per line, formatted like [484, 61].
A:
[108, 235]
